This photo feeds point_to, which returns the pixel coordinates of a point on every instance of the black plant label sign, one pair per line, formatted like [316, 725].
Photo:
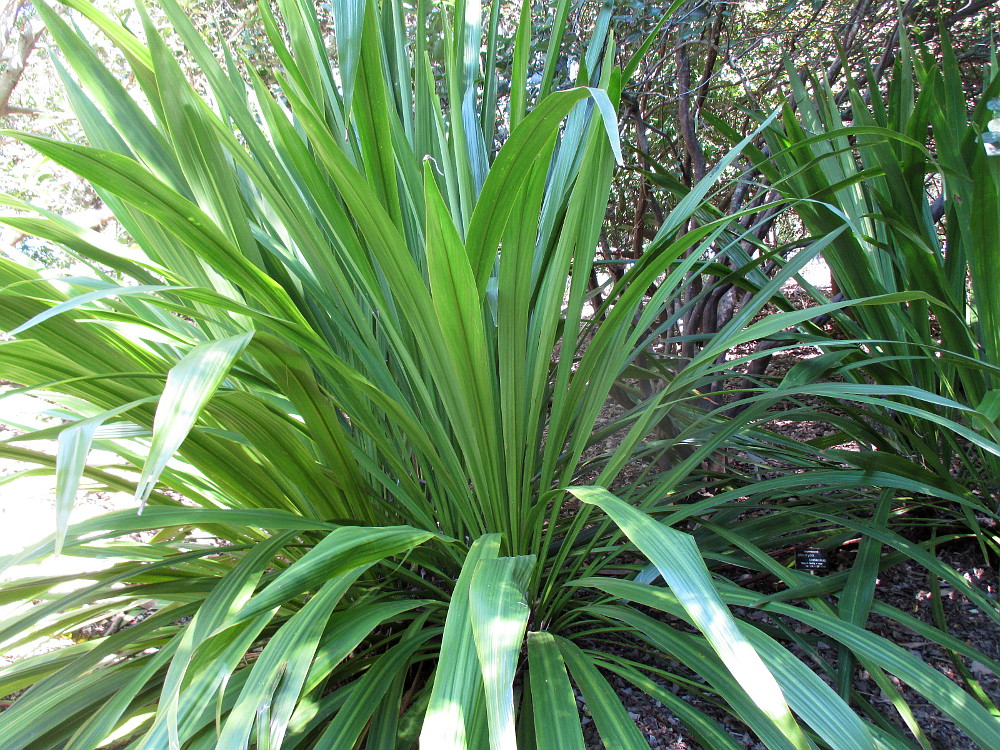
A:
[811, 559]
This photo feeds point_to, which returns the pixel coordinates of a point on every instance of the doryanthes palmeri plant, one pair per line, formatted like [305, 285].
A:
[328, 344]
[908, 173]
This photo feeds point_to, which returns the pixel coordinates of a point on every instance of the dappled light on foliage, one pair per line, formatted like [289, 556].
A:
[437, 347]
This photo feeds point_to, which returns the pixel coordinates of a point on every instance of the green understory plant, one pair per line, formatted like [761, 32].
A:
[909, 174]
[915, 380]
[333, 354]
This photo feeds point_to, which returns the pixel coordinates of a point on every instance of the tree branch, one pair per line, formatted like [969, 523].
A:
[16, 63]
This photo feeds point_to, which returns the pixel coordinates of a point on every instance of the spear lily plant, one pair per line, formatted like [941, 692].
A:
[334, 356]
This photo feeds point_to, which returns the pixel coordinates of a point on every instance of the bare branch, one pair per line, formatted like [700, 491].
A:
[27, 40]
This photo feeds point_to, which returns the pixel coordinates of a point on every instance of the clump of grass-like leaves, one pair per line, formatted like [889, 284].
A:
[337, 347]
